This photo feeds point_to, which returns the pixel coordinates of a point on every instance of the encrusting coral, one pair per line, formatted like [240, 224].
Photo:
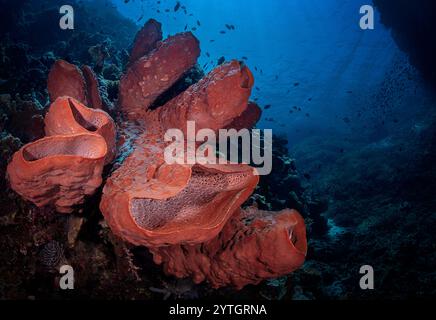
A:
[188, 215]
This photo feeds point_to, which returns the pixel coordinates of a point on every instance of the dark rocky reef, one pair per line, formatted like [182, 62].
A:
[26, 56]
[381, 212]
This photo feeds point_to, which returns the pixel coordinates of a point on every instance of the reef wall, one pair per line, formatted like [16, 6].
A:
[413, 25]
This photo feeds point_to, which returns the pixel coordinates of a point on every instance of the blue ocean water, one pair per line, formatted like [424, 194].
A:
[307, 54]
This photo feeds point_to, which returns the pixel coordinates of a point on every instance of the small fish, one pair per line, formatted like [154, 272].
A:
[267, 106]
[198, 23]
[194, 28]
[177, 7]
[307, 115]
[228, 27]
[140, 18]
[255, 68]
[186, 27]
[207, 54]
[307, 176]
[232, 27]
[222, 32]
[346, 119]
[295, 107]
[296, 84]
[244, 58]
[167, 10]
[205, 65]
[290, 111]
[158, 11]
[350, 91]
[276, 77]
[257, 88]
[310, 99]
[212, 40]
[126, 1]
